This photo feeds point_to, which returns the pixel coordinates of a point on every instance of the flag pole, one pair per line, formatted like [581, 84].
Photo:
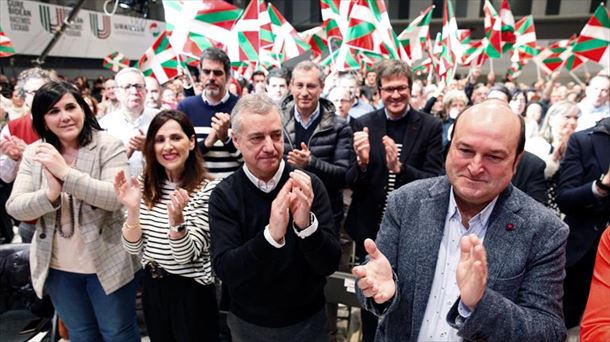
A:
[538, 72]
[187, 72]
[491, 65]
[576, 78]
[330, 50]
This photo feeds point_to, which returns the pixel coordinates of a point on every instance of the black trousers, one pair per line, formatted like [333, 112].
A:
[179, 309]
[576, 288]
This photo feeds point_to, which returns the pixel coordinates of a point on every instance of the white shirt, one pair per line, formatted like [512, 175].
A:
[214, 103]
[120, 126]
[590, 115]
[299, 118]
[269, 186]
[444, 291]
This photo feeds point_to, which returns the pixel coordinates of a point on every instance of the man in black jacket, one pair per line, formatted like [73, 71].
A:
[393, 145]
[583, 195]
[273, 237]
[315, 139]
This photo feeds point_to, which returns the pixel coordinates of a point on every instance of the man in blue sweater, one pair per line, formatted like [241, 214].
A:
[209, 113]
[273, 237]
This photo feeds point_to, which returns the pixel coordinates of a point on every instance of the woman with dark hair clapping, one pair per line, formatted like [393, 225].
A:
[65, 181]
[167, 224]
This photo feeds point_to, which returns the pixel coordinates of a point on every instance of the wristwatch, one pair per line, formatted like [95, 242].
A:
[602, 185]
[178, 229]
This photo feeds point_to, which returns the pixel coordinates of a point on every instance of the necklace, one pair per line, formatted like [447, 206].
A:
[72, 219]
[58, 220]
[58, 227]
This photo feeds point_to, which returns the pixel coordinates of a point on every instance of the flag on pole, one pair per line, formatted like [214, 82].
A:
[415, 36]
[525, 46]
[424, 68]
[551, 58]
[116, 61]
[493, 31]
[194, 25]
[572, 61]
[286, 41]
[335, 17]
[317, 39]
[160, 60]
[472, 49]
[450, 46]
[244, 41]
[370, 30]
[6, 46]
[594, 40]
[508, 26]
[514, 71]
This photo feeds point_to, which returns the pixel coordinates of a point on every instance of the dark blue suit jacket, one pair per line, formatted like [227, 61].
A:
[586, 158]
[421, 157]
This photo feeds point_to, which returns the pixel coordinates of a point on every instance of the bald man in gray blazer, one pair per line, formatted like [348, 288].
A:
[468, 255]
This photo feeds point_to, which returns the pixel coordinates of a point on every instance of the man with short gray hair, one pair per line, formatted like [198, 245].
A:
[275, 252]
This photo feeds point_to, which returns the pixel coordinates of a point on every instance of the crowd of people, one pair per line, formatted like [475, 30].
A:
[476, 206]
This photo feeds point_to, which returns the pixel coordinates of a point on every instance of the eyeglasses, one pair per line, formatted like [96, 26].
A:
[216, 72]
[139, 87]
[400, 89]
[29, 92]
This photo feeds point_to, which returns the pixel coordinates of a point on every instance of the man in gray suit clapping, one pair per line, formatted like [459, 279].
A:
[467, 255]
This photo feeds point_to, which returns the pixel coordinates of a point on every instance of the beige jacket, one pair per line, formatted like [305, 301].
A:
[98, 210]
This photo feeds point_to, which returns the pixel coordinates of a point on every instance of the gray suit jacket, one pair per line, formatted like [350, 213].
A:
[522, 301]
[99, 216]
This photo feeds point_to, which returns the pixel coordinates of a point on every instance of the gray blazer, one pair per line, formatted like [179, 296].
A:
[525, 245]
[99, 215]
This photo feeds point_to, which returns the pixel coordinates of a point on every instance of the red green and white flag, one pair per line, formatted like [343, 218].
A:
[116, 61]
[448, 48]
[160, 60]
[335, 17]
[317, 39]
[370, 30]
[287, 40]
[514, 71]
[572, 61]
[424, 68]
[493, 31]
[552, 57]
[508, 26]
[472, 50]
[244, 42]
[343, 59]
[415, 36]
[525, 46]
[6, 46]
[594, 40]
[194, 25]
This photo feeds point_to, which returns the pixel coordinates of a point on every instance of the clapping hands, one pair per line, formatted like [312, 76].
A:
[296, 198]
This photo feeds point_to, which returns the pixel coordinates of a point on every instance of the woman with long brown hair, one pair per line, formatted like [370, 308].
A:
[167, 224]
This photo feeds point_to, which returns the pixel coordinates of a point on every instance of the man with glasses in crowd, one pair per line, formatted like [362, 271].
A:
[393, 145]
[130, 122]
[209, 113]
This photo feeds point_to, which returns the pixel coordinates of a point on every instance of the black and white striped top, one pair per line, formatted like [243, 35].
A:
[188, 256]
[391, 184]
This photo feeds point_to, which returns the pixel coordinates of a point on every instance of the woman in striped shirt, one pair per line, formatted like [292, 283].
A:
[167, 224]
